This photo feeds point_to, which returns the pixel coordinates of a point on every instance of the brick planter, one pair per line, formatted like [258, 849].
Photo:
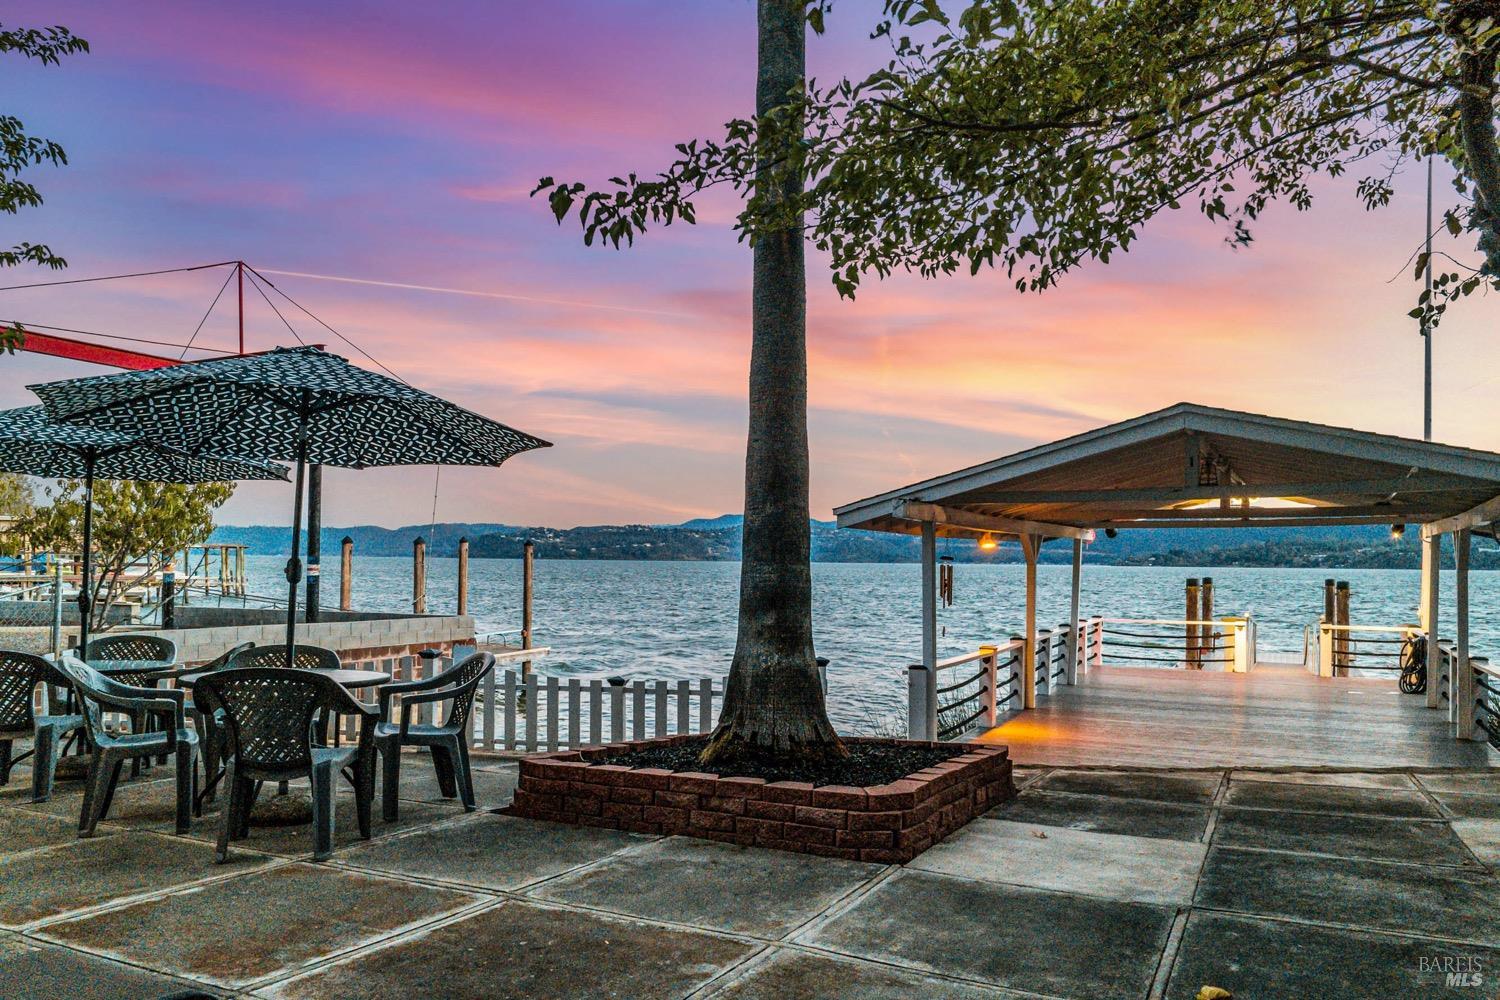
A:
[883, 823]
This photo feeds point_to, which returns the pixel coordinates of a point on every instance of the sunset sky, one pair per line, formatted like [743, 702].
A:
[397, 142]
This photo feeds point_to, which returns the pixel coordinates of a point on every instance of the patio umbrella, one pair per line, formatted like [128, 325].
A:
[33, 445]
[298, 404]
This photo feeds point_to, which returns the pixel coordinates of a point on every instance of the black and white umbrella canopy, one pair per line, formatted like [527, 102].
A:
[254, 404]
[33, 445]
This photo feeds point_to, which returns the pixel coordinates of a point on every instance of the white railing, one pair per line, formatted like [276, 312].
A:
[1219, 643]
[974, 689]
[1342, 648]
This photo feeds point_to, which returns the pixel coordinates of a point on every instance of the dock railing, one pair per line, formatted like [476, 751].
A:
[975, 689]
[1220, 643]
[1342, 648]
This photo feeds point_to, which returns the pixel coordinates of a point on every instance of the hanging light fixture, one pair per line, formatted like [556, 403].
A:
[1397, 531]
[1110, 532]
[988, 542]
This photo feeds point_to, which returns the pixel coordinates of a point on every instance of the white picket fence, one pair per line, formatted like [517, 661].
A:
[536, 712]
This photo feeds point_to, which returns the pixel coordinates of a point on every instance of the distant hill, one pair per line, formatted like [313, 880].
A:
[718, 538]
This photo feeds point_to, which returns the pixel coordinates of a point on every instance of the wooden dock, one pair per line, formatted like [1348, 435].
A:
[1273, 716]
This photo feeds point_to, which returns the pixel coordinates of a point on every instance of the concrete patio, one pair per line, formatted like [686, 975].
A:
[1091, 884]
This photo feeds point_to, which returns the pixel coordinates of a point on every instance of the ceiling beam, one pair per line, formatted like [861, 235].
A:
[1475, 517]
[1252, 522]
[1177, 494]
[969, 520]
[1391, 511]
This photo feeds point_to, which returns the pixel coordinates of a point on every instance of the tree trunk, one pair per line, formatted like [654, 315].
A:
[773, 701]
[1476, 118]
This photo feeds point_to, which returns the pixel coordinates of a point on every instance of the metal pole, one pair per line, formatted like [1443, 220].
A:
[57, 605]
[1077, 651]
[240, 270]
[294, 564]
[1426, 329]
[929, 628]
[85, 584]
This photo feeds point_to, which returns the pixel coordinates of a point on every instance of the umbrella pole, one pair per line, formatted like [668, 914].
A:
[86, 584]
[294, 564]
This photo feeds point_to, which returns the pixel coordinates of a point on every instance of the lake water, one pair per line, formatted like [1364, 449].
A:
[677, 619]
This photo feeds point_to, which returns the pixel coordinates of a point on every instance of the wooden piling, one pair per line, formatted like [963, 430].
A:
[463, 576]
[1206, 601]
[419, 575]
[1190, 633]
[528, 560]
[346, 575]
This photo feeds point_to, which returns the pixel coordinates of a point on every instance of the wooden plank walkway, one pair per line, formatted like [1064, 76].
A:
[1272, 717]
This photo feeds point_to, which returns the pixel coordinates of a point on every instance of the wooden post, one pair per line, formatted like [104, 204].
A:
[528, 561]
[1077, 648]
[1190, 631]
[314, 541]
[1341, 638]
[419, 575]
[1330, 615]
[1028, 653]
[1461, 686]
[463, 576]
[991, 662]
[929, 704]
[1206, 632]
[1432, 549]
[346, 575]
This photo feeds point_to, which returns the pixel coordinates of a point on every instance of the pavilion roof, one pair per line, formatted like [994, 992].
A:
[1191, 465]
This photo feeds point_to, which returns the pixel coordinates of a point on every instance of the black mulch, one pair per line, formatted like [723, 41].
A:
[867, 763]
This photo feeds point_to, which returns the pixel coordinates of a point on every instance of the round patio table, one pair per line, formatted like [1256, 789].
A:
[283, 808]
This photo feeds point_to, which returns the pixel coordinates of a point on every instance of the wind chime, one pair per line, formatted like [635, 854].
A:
[945, 581]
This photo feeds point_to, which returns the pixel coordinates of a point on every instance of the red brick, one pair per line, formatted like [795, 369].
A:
[804, 834]
[758, 828]
[866, 838]
[654, 778]
[796, 793]
[704, 820]
[546, 786]
[534, 800]
[839, 797]
[884, 856]
[622, 811]
[739, 786]
[606, 774]
[781, 812]
[677, 800]
[876, 820]
[896, 795]
[669, 818]
[629, 793]
[734, 806]
[835, 819]
[695, 783]
[584, 805]
[917, 815]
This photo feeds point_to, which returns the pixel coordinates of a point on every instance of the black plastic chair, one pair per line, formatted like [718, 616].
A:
[108, 751]
[306, 657]
[448, 742]
[269, 715]
[127, 646]
[210, 733]
[20, 674]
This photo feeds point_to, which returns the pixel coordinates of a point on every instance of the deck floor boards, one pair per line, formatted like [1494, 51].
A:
[1274, 716]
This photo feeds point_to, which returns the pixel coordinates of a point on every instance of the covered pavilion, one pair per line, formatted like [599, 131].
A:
[1190, 465]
